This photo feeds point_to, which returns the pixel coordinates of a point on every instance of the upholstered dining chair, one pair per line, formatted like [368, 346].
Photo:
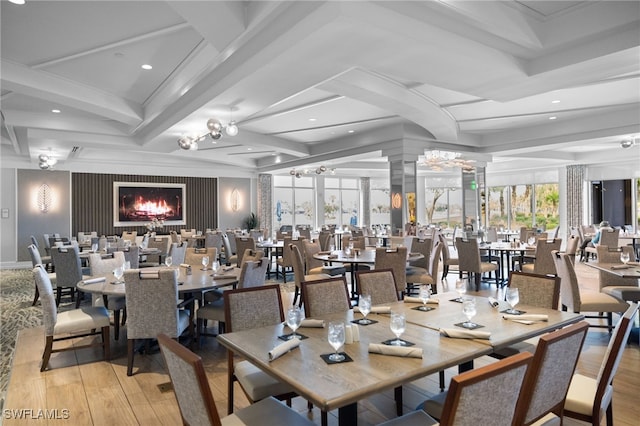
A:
[285, 262]
[426, 271]
[573, 242]
[104, 267]
[325, 238]
[229, 254]
[574, 299]
[379, 283]
[466, 402]
[152, 307]
[242, 244]
[37, 260]
[213, 240]
[193, 256]
[46, 259]
[69, 324]
[132, 255]
[622, 288]
[68, 271]
[469, 260]
[395, 259]
[315, 266]
[298, 272]
[195, 400]
[247, 308]
[608, 237]
[178, 251]
[162, 245]
[448, 259]
[323, 297]
[543, 263]
[130, 236]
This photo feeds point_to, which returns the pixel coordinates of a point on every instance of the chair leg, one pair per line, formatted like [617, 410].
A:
[116, 324]
[610, 414]
[397, 395]
[323, 418]
[47, 353]
[230, 395]
[124, 316]
[106, 343]
[445, 271]
[58, 296]
[36, 297]
[78, 297]
[441, 377]
[295, 295]
[130, 350]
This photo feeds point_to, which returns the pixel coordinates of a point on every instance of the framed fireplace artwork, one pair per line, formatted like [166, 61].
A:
[141, 202]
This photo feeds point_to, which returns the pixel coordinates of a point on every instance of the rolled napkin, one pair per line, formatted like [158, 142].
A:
[465, 334]
[526, 317]
[634, 263]
[493, 302]
[375, 309]
[312, 323]
[411, 299]
[228, 268]
[332, 256]
[621, 266]
[224, 277]
[404, 351]
[94, 280]
[185, 265]
[283, 348]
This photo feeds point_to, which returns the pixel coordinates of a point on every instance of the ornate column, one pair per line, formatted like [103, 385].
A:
[575, 194]
[365, 190]
[265, 202]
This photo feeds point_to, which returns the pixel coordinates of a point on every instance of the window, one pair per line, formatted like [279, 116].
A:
[547, 206]
[380, 201]
[443, 206]
[341, 201]
[294, 201]
[514, 206]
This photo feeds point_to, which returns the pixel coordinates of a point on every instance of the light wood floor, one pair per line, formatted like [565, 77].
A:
[100, 393]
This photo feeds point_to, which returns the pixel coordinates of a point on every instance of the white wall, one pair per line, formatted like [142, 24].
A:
[8, 225]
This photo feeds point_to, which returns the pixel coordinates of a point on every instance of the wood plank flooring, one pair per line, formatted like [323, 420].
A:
[80, 389]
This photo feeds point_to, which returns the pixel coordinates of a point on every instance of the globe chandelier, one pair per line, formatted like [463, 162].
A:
[320, 170]
[439, 160]
[47, 161]
[215, 129]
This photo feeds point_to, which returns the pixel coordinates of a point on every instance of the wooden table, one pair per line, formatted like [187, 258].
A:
[341, 386]
[633, 271]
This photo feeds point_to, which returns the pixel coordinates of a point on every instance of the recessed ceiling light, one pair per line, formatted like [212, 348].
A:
[249, 149]
[146, 67]
[556, 101]
[350, 131]
[553, 117]
[312, 119]
[17, 1]
[55, 111]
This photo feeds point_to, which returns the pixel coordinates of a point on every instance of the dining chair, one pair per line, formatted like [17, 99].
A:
[46, 259]
[242, 244]
[174, 237]
[193, 255]
[132, 255]
[69, 324]
[298, 272]
[469, 260]
[213, 240]
[589, 399]
[448, 259]
[467, 402]
[152, 307]
[245, 309]
[395, 259]
[608, 237]
[104, 267]
[195, 399]
[130, 236]
[68, 271]
[573, 242]
[162, 245]
[285, 262]
[229, 255]
[543, 263]
[379, 283]
[623, 288]
[575, 299]
[178, 251]
[425, 271]
[526, 233]
[325, 238]
[324, 297]
[37, 260]
[315, 266]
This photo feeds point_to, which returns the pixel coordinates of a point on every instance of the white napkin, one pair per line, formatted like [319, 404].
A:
[94, 280]
[404, 351]
[493, 302]
[224, 277]
[283, 348]
[410, 299]
[623, 266]
[465, 334]
[312, 323]
[526, 318]
[375, 309]
[185, 265]
[228, 268]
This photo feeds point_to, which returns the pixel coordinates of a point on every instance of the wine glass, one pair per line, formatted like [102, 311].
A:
[364, 303]
[118, 273]
[461, 288]
[205, 262]
[398, 326]
[624, 257]
[336, 340]
[215, 266]
[294, 318]
[168, 261]
[425, 293]
[469, 310]
[513, 297]
[532, 241]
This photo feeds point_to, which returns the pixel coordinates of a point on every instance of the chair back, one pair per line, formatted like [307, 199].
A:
[379, 283]
[324, 297]
[213, 240]
[174, 237]
[253, 273]
[395, 259]
[254, 307]
[542, 291]
[609, 237]
[572, 246]
[99, 266]
[310, 249]
[287, 255]
[544, 263]
[298, 264]
[325, 238]
[152, 303]
[526, 233]
[130, 236]
[252, 256]
[492, 235]
[422, 246]
[47, 299]
[468, 255]
[304, 232]
[547, 382]
[190, 384]
[299, 243]
[402, 242]
[569, 290]
[193, 256]
[68, 267]
[446, 254]
[178, 252]
[231, 236]
[36, 259]
[612, 255]
[45, 238]
[357, 242]
[434, 264]
[242, 244]
[132, 255]
[187, 233]
[467, 401]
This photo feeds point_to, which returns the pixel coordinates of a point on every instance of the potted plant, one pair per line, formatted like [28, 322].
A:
[251, 222]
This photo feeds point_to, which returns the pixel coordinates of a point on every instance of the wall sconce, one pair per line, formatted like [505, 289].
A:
[234, 200]
[44, 198]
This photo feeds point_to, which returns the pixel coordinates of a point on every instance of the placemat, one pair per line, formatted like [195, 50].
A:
[325, 358]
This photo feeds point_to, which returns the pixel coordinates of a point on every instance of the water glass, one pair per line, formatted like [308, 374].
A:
[469, 310]
[118, 273]
[425, 294]
[336, 340]
[513, 297]
[461, 288]
[168, 261]
[205, 263]
[94, 248]
[398, 326]
[364, 303]
[215, 266]
[294, 318]
[624, 257]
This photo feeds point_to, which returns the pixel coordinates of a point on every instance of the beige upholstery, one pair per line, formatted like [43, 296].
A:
[395, 259]
[242, 244]
[543, 263]
[152, 307]
[229, 254]
[298, 271]
[130, 236]
[325, 238]
[79, 322]
[469, 259]
[285, 262]
[577, 300]
[448, 259]
[608, 237]
[416, 275]
[245, 309]
[193, 256]
[315, 266]
[323, 297]
[623, 288]
[379, 283]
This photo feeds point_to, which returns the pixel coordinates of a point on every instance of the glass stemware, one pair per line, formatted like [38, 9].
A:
[336, 340]
[364, 303]
[624, 257]
[118, 273]
[215, 266]
[469, 310]
[205, 263]
[294, 318]
[425, 294]
[513, 297]
[168, 261]
[94, 248]
[461, 288]
[398, 326]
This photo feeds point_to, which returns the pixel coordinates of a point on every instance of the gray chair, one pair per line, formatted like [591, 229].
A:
[316, 266]
[70, 324]
[195, 400]
[242, 244]
[178, 251]
[104, 267]
[469, 260]
[213, 240]
[622, 288]
[45, 260]
[37, 260]
[193, 256]
[153, 260]
[68, 271]
[543, 263]
[395, 259]
[285, 262]
[152, 307]
[448, 259]
[229, 254]
[324, 297]
[379, 283]
[298, 272]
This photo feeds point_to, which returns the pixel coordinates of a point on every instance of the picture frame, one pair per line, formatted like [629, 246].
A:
[139, 203]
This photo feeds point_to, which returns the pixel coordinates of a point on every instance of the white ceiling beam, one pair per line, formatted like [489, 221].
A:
[34, 120]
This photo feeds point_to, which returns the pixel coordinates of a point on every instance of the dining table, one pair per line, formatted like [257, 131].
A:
[273, 249]
[504, 251]
[341, 385]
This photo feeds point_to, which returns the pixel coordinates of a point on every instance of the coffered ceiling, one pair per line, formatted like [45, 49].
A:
[340, 83]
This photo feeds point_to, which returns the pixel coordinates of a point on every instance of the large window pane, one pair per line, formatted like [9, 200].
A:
[547, 206]
[436, 206]
[380, 204]
[455, 207]
[332, 207]
[350, 210]
[498, 206]
[282, 214]
[521, 206]
[304, 206]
